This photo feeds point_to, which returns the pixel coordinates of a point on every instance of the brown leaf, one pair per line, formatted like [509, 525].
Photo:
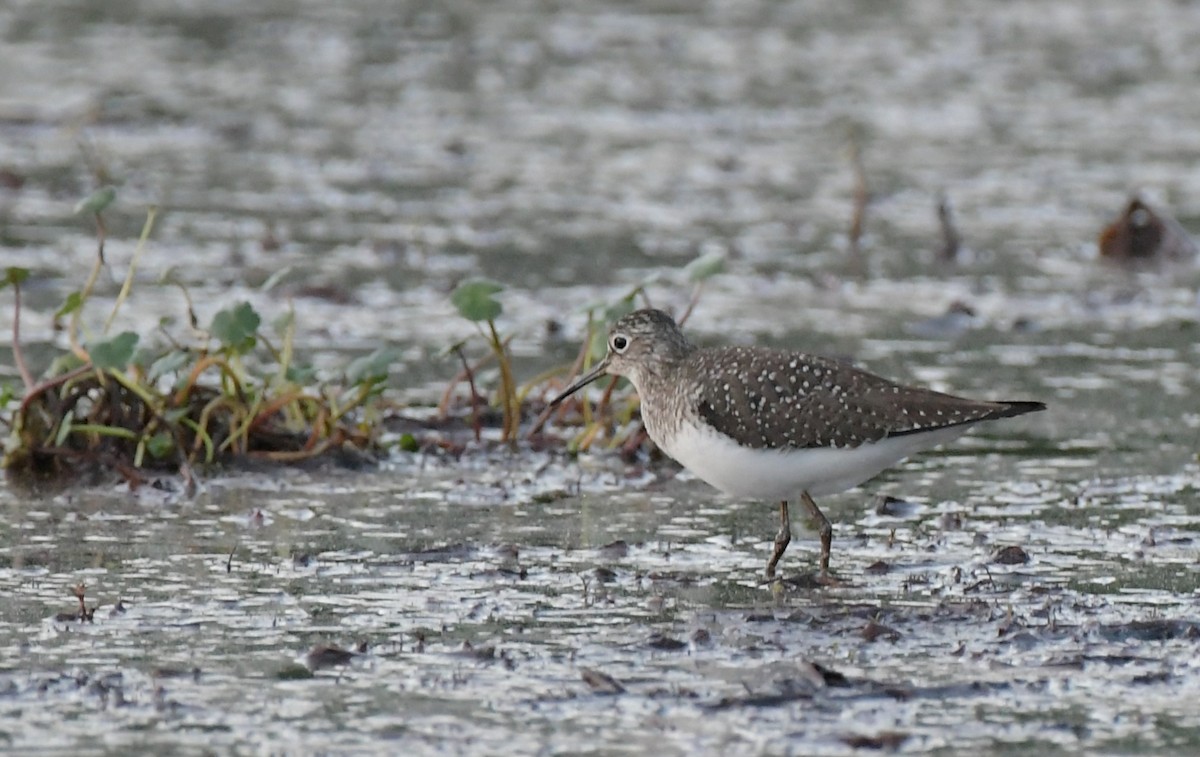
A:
[666, 643]
[873, 631]
[890, 740]
[1011, 555]
[877, 568]
[601, 683]
[1141, 233]
[327, 656]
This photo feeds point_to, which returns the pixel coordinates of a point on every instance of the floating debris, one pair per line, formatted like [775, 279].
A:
[166, 673]
[328, 656]
[959, 318]
[613, 550]
[601, 683]
[895, 507]
[1140, 233]
[889, 740]
[84, 613]
[877, 568]
[445, 553]
[1011, 555]
[666, 643]
[1150, 630]
[874, 631]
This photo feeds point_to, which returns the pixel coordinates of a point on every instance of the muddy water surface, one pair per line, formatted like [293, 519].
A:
[376, 153]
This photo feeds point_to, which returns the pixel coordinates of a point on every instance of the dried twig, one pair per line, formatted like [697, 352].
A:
[18, 354]
[951, 240]
[862, 196]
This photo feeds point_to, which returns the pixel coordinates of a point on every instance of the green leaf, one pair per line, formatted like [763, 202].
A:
[64, 428]
[301, 375]
[160, 445]
[168, 363]
[70, 305]
[14, 275]
[114, 353]
[143, 356]
[97, 201]
[235, 327]
[705, 266]
[274, 279]
[409, 443]
[452, 350]
[598, 344]
[474, 300]
[7, 394]
[176, 414]
[64, 363]
[169, 276]
[619, 309]
[373, 367]
[648, 281]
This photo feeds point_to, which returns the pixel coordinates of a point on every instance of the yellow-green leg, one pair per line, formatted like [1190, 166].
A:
[824, 530]
[782, 539]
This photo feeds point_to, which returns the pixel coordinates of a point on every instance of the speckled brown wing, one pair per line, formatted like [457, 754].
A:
[765, 398]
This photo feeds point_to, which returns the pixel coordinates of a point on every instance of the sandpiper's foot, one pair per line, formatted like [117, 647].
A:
[810, 581]
[782, 539]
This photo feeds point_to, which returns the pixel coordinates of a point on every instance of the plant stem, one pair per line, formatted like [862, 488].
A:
[73, 330]
[18, 355]
[512, 418]
[475, 424]
[696, 290]
[443, 407]
[137, 252]
[862, 196]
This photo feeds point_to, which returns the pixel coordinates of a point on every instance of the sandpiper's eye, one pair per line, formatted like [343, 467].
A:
[620, 342]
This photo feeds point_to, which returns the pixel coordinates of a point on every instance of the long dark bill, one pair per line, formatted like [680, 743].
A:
[583, 381]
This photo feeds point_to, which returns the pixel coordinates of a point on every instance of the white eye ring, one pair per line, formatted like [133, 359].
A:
[619, 343]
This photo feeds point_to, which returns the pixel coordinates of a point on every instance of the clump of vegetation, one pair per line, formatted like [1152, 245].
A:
[113, 402]
[123, 402]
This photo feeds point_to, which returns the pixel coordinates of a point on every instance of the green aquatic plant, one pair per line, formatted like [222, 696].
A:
[476, 301]
[119, 402]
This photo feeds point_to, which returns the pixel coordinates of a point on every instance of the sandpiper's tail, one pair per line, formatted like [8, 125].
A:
[1010, 409]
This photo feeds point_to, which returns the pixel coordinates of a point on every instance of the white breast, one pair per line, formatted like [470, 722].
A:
[783, 474]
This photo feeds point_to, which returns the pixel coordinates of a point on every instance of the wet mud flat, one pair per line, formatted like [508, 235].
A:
[603, 610]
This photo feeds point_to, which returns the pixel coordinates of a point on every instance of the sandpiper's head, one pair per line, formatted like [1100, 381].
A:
[639, 343]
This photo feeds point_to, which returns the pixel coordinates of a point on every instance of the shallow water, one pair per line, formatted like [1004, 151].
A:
[383, 151]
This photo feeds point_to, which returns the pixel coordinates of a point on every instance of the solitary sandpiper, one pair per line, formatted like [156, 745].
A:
[770, 424]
